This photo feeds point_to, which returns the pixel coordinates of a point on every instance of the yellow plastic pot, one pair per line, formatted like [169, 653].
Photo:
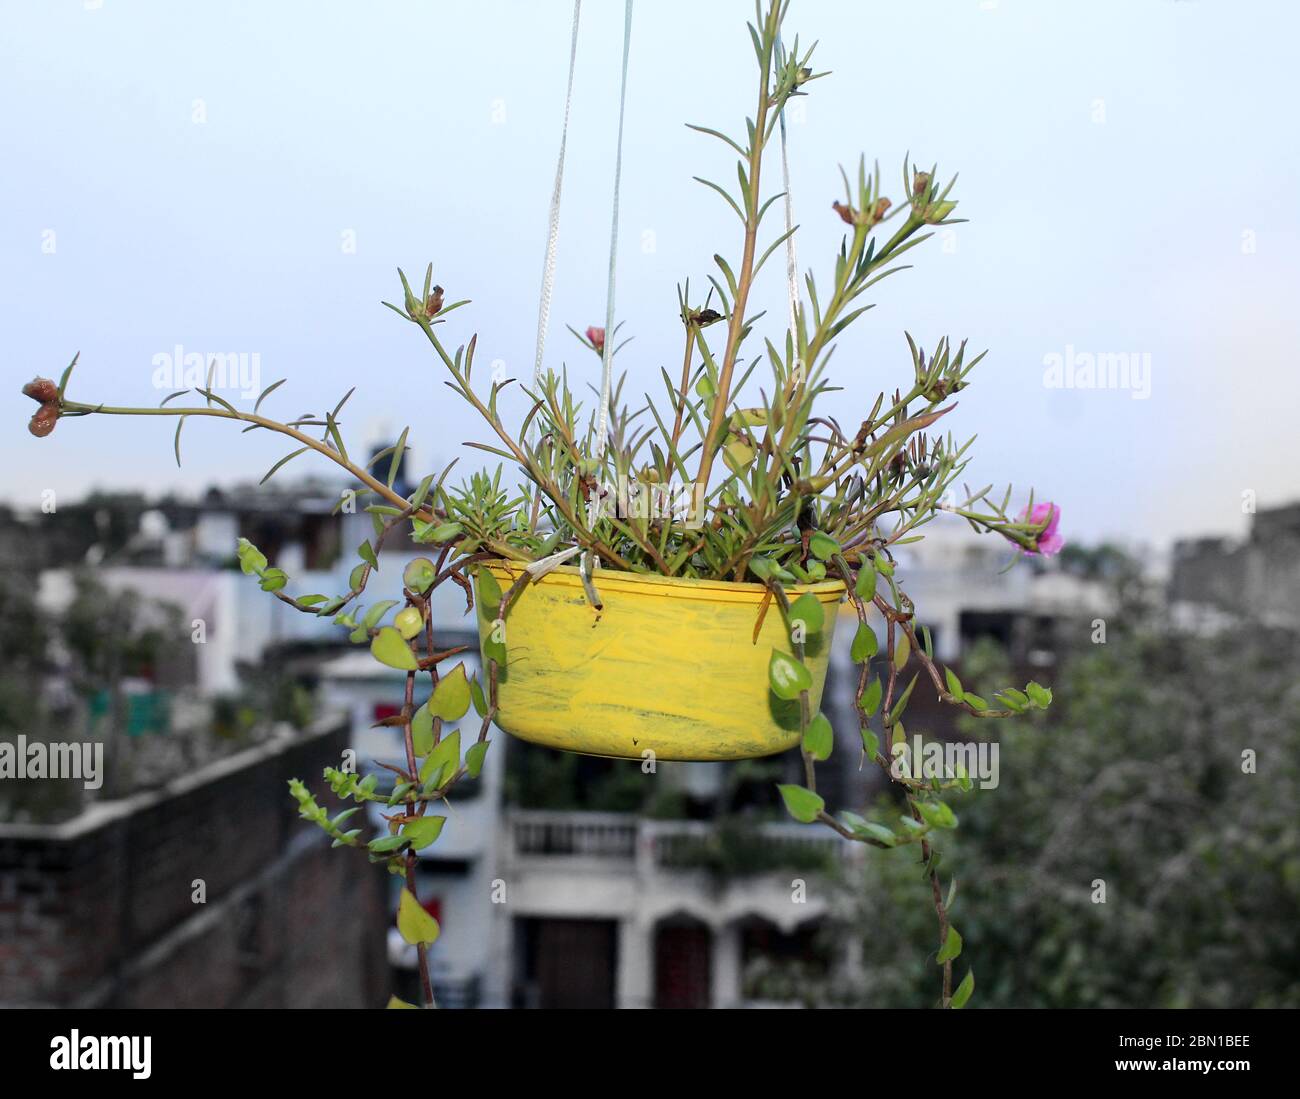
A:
[669, 666]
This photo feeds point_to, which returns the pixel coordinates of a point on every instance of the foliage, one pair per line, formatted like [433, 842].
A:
[1137, 781]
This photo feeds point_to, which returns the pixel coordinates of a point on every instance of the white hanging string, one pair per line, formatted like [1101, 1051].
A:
[607, 355]
[553, 232]
[586, 562]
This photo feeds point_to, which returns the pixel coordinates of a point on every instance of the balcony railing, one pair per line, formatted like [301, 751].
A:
[657, 845]
[586, 835]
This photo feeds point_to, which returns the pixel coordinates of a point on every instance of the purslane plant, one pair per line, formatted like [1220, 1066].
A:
[741, 480]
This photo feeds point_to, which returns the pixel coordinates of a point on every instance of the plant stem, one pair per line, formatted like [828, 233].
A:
[745, 277]
[366, 478]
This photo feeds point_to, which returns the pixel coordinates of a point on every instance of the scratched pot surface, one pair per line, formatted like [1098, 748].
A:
[669, 666]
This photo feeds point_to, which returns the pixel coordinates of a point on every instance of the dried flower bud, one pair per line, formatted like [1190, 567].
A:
[596, 337]
[434, 305]
[702, 318]
[920, 181]
[41, 389]
[42, 423]
[848, 215]
[880, 209]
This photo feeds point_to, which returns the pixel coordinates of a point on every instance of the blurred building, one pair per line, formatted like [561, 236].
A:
[1258, 578]
[551, 893]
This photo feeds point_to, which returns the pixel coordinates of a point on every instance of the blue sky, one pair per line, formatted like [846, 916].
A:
[1131, 173]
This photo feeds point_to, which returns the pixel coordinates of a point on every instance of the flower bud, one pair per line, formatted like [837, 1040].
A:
[848, 215]
[596, 337]
[42, 390]
[42, 423]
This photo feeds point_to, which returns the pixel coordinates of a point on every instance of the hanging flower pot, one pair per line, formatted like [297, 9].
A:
[729, 506]
[674, 667]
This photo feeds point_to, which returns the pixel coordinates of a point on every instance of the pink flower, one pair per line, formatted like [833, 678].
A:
[1049, 541]
[596, 336]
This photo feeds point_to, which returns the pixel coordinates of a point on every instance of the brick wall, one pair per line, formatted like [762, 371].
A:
[100, 911]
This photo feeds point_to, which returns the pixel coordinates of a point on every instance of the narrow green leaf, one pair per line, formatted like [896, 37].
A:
[282, 462]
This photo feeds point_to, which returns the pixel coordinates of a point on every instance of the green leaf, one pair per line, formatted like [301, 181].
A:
[937, 814]
[414, 923]
[870, 742]
[489, 592]
[902, 650]
[1013, 699]
[808, 610]
[865, 644]
[444, 532]
[787, 676]
[371, 618]
[493, 650]
[251, 559]
[451, 697]
[779, 572]
[819, 738]
[389, 648]
[387, 844]
[901, 704]
[275, 580]
[871, 697]
[442, 762]
[954, 684]
[802, 804]
[477, 697]
[866, 585]
[395, 1004]
[423, 831]
[951, 947]
[823, 546]
[474, 756]
[962, 995]
[975, 701]
[419, 575]
[1039, 695]
[422, 731]
[880, 832]
[367, 554]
